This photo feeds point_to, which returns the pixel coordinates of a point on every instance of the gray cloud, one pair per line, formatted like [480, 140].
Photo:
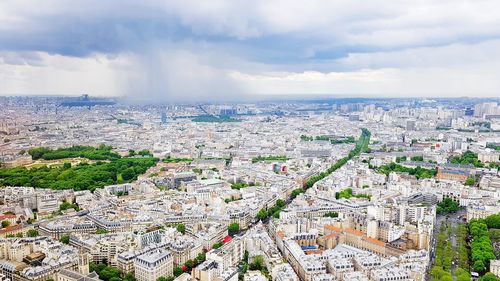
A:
[190, 49]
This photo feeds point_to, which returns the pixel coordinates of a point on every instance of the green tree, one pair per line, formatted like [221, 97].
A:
[331, 214]
[129, 277]
[5, 224]
[479, 266]
[489, 277]
[177, 271]
[37, 153]
[181, 228]
[67, 205]
[280, 203]
[296, 192]
[493, 221]
[233, 228]
[447, 206]
[257, 263]
[417, 158]
[262, 214]
[481, 247]
[470, 181]
[83, 176]
[32, 233]
[144, 152]
[64, 239]
[201, 257]
[101, 231]
[189, 263]
[128, 173]
[462, 274]
[467, 158]
[108, 273]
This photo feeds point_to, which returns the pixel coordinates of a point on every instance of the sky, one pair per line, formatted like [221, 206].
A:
[204, 50]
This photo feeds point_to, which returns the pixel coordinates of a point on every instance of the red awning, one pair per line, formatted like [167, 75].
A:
[227, 239]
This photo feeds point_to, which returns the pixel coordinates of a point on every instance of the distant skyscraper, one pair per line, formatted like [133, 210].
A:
[487, 108]
[164, 118]
[469, 112]
[227, 111]
[410, 125]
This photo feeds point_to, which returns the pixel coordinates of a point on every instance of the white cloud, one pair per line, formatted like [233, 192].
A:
[343, 22]
[142, 49]
[390, 82]
[453, 55]
[55, 74]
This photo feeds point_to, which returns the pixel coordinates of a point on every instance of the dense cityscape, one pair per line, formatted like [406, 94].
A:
[236, 140]
[346, 189]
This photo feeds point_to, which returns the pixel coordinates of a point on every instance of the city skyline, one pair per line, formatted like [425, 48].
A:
[234, 50]
[284, 190]
[236, 140]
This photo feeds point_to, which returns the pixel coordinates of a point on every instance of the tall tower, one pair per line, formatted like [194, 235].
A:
[83, 263]
[163, 117]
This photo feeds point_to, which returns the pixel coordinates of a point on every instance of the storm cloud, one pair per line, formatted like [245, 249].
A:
[220, 49]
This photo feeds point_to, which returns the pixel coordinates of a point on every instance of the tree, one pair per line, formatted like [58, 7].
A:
[108, 273]
[479, 266]
[128, 174]
[217, 245]
[257, 263]
[489, 277]
[144, 152]
[481, 248]
[233, 228]
[262, 214]
[181, 228]
[331, 214]
[296, 192]
[84, 176]
[201, 257]
[101, 231]
[66, 165]
[64, 239]
[280, 203]
[189, 264]
[447, 206]
[276, 214]
[67, 205]
[417, 158]
[493, 221]
[177, 271]
[32, 233]
[462, 275]
[129, 277]
[470, 181]
[37, 153]
[5, 224]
